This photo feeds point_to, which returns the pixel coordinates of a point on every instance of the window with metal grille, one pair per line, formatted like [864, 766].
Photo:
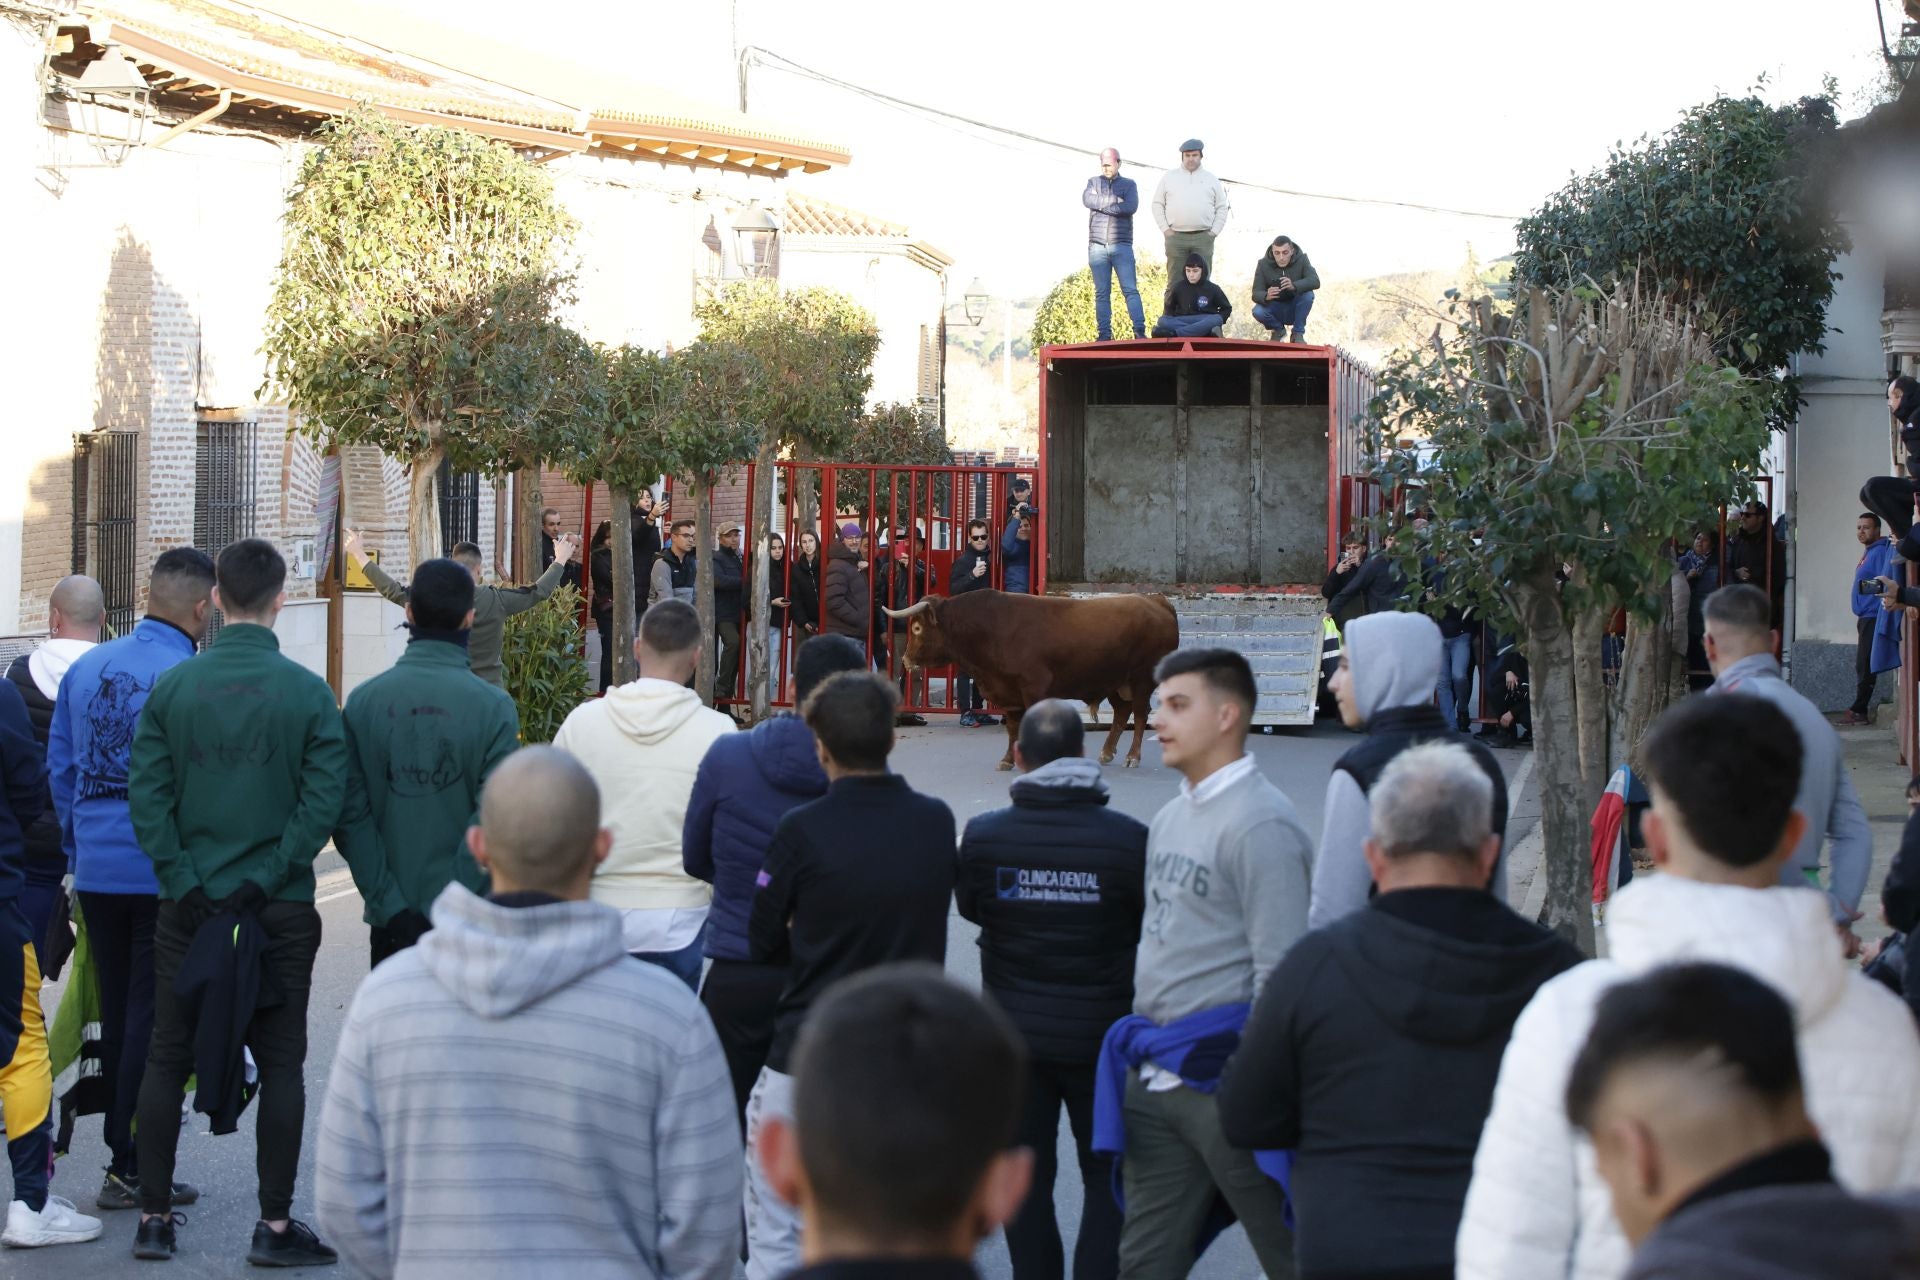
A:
[224, 490]
[459, 507]
[105, 508]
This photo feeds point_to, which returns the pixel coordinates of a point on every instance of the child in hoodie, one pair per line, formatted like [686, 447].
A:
[1198, 307]
[643, 743]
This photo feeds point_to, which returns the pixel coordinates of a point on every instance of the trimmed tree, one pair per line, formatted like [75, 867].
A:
[1066, 314]
[1572, 437]
[815, 348]
[715, 390]
[413, 304]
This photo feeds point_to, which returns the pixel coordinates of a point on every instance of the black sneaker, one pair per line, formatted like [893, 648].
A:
[153, 1241]
[122, 1191]
[297, 1246]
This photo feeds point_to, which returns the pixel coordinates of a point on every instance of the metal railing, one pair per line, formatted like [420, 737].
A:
[106, 496]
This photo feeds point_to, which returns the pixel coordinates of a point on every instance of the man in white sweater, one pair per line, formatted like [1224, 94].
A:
[643, 743]
[1190, 208]
[1723, 772]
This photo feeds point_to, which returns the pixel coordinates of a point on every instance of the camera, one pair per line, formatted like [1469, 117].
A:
[1869, 587]
[1026, 509]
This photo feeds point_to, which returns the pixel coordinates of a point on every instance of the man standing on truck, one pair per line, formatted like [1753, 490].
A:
[1111, 201]
[1283, 285]
[1190, 206]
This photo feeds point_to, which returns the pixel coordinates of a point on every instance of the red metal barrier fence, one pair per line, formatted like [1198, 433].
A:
[914, 525]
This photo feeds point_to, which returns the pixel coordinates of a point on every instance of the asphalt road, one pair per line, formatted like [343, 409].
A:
[944, 760]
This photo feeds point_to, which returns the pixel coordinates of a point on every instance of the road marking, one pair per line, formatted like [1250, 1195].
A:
[1519, 784]
[335, 884]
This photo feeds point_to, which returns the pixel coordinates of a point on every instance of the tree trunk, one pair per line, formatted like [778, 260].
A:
[526, 527]
[1565, 857]
[759, 615]
[623, 604]
[1654, 667]
[703, 672]
[423, 513]
[1590, 695]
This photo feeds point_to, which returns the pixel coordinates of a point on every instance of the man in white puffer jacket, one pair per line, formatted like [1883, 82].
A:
[1723, 773]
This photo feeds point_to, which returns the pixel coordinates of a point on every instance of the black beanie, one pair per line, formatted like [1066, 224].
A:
[1195, 260]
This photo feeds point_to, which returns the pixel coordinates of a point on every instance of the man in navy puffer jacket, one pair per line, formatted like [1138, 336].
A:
[747, 782]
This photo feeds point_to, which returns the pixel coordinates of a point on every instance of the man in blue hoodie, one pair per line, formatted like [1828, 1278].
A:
[88, 748]
[747, 782]
[1876, 561]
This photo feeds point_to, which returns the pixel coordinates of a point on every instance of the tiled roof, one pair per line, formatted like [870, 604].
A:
[266, 57]
[808, 215]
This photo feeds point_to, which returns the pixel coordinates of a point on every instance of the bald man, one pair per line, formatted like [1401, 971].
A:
[75, 612]
[480, 1071]
[1689, 1087]
[1111, 202]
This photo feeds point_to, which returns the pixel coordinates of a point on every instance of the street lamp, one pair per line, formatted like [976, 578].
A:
[974, 302]
[754, 235]
[110, 103]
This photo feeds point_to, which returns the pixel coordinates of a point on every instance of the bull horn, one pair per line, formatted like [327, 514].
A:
[909, 611]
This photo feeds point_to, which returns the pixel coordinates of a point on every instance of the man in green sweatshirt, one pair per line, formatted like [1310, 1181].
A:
[492, 606]
[238, 767]
[422, 739]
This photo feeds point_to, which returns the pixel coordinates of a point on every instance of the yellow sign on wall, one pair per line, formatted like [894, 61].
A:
[357, 579]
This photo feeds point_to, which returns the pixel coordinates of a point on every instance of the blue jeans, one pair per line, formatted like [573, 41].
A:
[683, 964]
[1187, 326]
[1287, 311]
[1456, 662]
[1117, 259]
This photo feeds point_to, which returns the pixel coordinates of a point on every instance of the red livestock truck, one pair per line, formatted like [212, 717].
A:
[1218, 472]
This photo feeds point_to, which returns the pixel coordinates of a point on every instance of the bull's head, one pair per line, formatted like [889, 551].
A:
[926, 646]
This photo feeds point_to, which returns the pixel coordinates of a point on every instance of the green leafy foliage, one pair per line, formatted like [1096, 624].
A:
[896, 433]
[414, 305]
[1067, 313]
[544, 656]
[1723, 212]
[815, 347]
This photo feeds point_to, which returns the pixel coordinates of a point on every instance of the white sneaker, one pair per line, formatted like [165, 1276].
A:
[58, 1223]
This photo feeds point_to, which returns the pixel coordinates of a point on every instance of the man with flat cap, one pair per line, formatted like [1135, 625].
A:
[1190, 207]
[1111, 202]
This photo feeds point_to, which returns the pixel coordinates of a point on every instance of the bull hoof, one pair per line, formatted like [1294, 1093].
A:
[1106, 757]
[1133, 762]
[1004, 766]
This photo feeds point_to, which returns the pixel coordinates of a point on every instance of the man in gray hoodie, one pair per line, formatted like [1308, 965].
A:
[1739, 644]
[1385, 685]
[434, 1152]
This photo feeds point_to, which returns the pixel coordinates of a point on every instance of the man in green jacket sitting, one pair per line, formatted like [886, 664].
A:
[422, 738]
[234, 782]
[492, 606]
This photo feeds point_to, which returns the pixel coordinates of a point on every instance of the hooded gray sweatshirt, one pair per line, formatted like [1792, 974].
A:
[517, 1096]
[1394, 661]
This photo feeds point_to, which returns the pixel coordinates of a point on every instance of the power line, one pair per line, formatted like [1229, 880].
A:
[775, 62]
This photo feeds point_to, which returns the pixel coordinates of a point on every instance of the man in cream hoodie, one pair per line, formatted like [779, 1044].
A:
[643, 743]
[1723, 772]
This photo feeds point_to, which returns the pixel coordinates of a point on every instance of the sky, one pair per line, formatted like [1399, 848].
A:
[1477, 105]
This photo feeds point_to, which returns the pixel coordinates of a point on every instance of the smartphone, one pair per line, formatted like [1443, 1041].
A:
[1869, 587]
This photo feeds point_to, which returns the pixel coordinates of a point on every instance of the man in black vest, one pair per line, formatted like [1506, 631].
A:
[1056, 884]
[1385, 685]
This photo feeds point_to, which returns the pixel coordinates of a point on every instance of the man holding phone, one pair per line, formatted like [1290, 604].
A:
[1876, 559]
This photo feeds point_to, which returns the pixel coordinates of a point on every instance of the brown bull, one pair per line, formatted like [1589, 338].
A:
[1021, 649]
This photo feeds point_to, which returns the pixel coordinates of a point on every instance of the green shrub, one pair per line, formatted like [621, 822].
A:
[1067, 313]
[545, 657]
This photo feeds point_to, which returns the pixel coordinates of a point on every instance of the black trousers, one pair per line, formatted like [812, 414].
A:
[1033, 1237]
[120, 932]
[1891, 498]
[741, 997]
[1863, 665]
[603, 623]
[966, 694]
[277, 1036]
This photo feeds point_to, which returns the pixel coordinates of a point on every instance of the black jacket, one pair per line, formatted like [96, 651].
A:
[1056, 884]
[1203, 299]
[729, 586]
[646, 546]
[45, 860]
[858, 878]
[960, 577]
[1375, 587]
[600, 560]
[804, 590]
[897, 591]
[1336, 581]
[569, 576]
[849, 593]
[1900, 899]
[1372, 1054]
[222, 983]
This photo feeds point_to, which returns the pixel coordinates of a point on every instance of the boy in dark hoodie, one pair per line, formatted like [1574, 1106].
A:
[1423, 985]
[1197, 307]
[747, 782]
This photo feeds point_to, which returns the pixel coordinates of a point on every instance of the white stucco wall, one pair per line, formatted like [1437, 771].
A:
[901, 294]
